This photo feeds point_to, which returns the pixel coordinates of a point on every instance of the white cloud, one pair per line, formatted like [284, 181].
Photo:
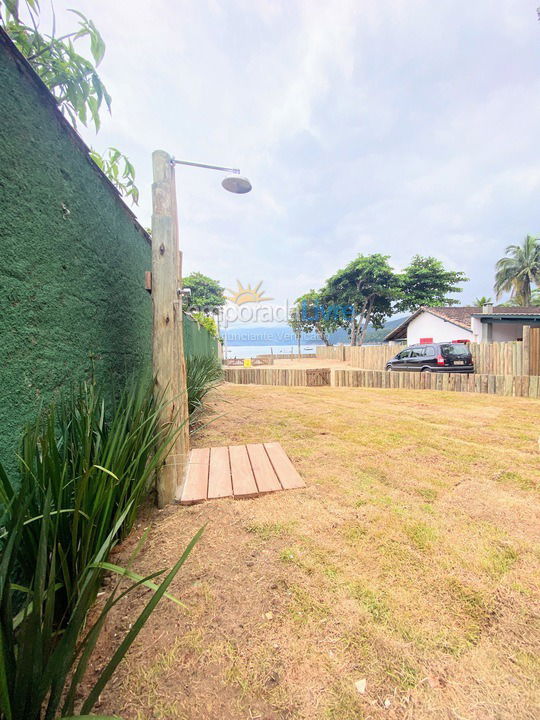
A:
[393, 126]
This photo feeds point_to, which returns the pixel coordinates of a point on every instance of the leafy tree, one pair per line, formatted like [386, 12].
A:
[313, 315]
[425, 281]
[481, 301]
[206, 294]
[519, 271]
[368, 291]
[295, 323]
[72, 79]
[367, 286]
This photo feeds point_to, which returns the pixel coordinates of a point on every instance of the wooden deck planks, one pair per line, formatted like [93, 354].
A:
[219, 476]
[241, 471]
[265, 475]
[196, 485]
[243, 480]
[285, 470]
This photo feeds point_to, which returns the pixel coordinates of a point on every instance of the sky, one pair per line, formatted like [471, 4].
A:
[391, 126]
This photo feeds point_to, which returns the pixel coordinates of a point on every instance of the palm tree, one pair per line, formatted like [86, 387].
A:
[482, 300]
[519, 271]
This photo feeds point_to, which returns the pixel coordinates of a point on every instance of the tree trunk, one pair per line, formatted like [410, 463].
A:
[322, 334]
[353, 328]
[526, 292]
[357, 324]
[366, 321]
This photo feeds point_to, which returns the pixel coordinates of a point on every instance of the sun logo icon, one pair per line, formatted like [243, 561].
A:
[243, 295]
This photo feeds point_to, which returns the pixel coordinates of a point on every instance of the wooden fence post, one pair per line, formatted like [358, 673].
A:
[526, 350]
[168, 342]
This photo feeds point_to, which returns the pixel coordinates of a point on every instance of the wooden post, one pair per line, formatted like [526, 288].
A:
[168, 342]
[526, 349]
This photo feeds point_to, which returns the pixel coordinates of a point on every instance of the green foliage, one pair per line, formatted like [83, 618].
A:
[519, 271]
[203, 373]
[72, 79]
[43, 652]
[308, 316]
[207, 322]
[426, 282]
[206, 294]
[481, 301]
[119, 170]
[82, 477]
[368, 285]
[368, 291]
[97, 463]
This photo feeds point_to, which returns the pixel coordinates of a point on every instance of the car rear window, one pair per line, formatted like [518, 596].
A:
[455, 350]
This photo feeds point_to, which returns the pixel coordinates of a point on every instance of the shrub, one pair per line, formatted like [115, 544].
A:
[95, 471]
[207, 322]
[44, 652]
[85, 468]
[203, 374]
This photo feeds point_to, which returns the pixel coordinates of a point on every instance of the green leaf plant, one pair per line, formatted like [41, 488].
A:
[72, 78]
[86, 465]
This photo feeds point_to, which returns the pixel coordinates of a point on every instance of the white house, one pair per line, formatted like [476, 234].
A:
[447, 324]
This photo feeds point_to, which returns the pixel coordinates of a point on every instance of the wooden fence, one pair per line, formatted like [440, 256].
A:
[371, 357]
[510, 385]
[332, 352]
[501, 358]
[498, 358]
[289, 356]
[533, 339]
[367, 357]
[266, 376]
[241, 362]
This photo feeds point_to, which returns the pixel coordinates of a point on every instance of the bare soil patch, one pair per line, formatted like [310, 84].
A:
[411, 561]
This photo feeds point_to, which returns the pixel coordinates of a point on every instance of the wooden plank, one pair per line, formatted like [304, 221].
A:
[243, 481]
[265, 476]
[196, 485]
[148, 281]
[285, 470]
[219, 475]
[534, 351]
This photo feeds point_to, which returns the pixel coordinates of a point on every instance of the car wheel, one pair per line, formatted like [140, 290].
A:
[426, 370]
[389, 368]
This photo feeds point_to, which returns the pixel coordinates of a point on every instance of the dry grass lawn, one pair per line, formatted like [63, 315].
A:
[410, 561]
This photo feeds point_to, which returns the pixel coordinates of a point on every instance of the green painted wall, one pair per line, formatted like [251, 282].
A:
[72, 261]
[197, 340]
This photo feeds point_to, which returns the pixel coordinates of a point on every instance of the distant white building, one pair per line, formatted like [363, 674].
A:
[447, 324]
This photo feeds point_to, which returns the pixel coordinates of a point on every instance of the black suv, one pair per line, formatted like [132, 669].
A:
[434, 357]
